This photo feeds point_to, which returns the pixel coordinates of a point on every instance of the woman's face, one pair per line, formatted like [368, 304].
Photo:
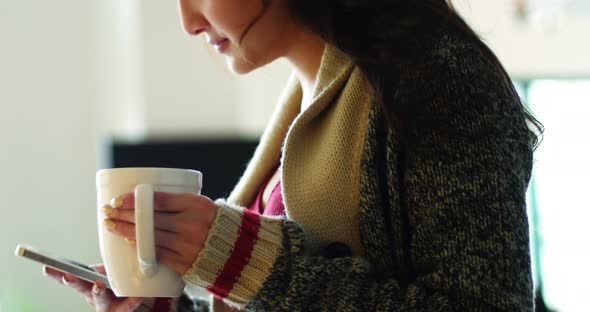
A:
[249, 33]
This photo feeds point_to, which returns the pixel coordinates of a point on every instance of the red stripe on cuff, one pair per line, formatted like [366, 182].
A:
[240, 256]
[162, 305]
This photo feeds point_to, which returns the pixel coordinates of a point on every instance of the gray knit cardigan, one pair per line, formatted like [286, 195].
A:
[443, 222]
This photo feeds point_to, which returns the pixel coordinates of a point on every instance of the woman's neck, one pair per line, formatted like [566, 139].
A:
[305, 56]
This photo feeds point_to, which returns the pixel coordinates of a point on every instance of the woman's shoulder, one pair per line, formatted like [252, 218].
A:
[455, 65]
[460, 58]
[458, 78]
[445, 49]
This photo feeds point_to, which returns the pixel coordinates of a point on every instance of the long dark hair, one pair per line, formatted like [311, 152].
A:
[371, 33]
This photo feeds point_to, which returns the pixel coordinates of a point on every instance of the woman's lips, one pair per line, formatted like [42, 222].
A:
[221, 45]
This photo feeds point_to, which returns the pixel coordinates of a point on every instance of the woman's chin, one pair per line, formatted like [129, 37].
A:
[239, 66]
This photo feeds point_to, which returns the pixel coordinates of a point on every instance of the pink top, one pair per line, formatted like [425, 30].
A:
[275, 205]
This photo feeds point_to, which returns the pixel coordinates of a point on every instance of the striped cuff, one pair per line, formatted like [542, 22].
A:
[238, 256]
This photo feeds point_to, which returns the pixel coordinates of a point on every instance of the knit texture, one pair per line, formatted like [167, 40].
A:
[238, 256]
[318, 169]
[442, 222]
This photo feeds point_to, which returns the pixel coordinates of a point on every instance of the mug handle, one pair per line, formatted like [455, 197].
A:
[144, 229]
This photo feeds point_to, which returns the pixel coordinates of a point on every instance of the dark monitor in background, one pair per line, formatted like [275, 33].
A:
[222, 162]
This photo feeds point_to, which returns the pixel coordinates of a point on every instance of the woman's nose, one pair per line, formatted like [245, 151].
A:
[193, 21]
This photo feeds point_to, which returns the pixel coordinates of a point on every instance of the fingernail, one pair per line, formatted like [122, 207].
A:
[109, 224]
[130, 241]
[67, 279]
[107, 209]
[95, 289]
[116, 202]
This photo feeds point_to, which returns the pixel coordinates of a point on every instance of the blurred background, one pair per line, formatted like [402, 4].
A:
[86, 85]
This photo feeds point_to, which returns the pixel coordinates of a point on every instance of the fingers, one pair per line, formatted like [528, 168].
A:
[69, 280]
[79, 285]
[166, 202]
[96, 295]
[99, 268]
[100, 296]
[176, 255]
[163, 221]
[125, 201]
[105, 300]
[172, 202]
[53, 274]
[172, 260]
[163, 239]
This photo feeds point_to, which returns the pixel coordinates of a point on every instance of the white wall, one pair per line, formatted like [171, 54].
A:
[117, 76]
[187, 88]
[47, 156]
[185, 91]
[547, 45]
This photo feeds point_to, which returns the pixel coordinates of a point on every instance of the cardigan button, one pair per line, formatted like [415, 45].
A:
[335, 250]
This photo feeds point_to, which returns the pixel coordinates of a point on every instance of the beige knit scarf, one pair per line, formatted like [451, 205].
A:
[320, 153]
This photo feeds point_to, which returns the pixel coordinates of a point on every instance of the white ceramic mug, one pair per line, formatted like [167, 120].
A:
[133, 270]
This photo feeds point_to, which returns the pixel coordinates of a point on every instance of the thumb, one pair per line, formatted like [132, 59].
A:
[99, 268]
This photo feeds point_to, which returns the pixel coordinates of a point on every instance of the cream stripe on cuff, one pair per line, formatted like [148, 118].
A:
[238, 256]
[216, 251]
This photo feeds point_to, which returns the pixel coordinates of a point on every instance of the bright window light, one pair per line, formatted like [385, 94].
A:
[562, 170]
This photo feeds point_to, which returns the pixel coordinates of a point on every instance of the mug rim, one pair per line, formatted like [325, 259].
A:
[163, 175]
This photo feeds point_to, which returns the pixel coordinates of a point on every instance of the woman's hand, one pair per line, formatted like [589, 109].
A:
[181, 221]
[97, 295]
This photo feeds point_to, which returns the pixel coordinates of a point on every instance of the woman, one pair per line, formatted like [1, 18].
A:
[392, 175]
